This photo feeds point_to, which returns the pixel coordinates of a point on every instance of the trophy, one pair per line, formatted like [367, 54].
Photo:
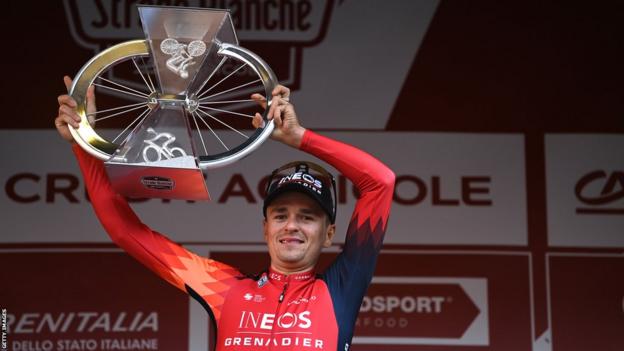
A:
[183, 95]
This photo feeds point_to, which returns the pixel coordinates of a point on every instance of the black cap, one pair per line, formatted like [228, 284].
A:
[302, 178]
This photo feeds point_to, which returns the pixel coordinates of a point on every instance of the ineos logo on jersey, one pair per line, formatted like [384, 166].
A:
[599, 189]
[267, 321]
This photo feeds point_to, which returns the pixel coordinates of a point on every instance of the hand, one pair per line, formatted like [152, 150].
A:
[287, 128]
[67, 111]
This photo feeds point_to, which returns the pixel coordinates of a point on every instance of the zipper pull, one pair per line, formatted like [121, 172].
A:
[281, 297]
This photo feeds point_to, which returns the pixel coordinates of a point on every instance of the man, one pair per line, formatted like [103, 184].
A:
[288, 306]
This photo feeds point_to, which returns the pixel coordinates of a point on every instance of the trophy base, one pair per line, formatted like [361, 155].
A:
[139, 181]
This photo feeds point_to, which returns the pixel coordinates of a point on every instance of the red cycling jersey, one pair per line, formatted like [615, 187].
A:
[271, 311]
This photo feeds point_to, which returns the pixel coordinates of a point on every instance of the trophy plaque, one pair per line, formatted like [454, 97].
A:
[174, 105]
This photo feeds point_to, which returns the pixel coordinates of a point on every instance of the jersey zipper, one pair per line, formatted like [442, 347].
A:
[281, 297]
[279, 303]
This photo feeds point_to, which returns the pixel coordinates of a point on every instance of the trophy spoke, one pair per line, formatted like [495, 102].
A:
[226, 111]
[222, 80]
[143, 114]
[142, 77]
[116, 108]
[227, 91]
[211, 74]
[123, 86]
[215, 134]
[149, 76]
[120, 113]
[228, 102]
[143, 96]
[223, 123]
[199, 132]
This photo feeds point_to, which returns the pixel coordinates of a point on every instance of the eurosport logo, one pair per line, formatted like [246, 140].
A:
[288, 26]
[425, 311]
[600, 193]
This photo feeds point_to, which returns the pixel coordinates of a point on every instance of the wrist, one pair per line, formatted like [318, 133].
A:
[297, 137]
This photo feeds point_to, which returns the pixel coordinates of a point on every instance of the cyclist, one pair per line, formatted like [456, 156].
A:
[163, 150]
[287, 306]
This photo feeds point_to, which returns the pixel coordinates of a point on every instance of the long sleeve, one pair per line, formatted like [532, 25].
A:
[349, 276]
[187, 271]
[373, 179]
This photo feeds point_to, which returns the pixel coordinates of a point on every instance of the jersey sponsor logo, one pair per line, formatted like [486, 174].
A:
[262, 281]
[267, 341]
[600, 192]
[261, 326]
[254, 298]
[302, 299]
[276, 276]
[267, 321]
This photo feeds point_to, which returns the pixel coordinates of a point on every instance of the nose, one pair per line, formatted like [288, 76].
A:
[291, 224]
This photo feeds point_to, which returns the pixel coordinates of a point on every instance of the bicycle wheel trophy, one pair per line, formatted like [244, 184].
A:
[194, 115]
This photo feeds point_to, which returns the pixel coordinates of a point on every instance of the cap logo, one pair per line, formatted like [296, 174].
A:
[304, 179]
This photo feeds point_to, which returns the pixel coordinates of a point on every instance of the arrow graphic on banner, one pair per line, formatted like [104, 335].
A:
[424, 311]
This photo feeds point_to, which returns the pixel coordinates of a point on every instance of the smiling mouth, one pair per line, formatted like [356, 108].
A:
[291, 241]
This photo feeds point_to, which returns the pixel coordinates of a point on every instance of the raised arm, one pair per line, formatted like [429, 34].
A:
[374, 180]
[348, 277]
[189, 272]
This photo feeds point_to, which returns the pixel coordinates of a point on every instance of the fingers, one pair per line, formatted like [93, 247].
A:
[63, 120]
[260, 100]
[276, 111]
[257, 121]
[279, 103]
[67, 100]
[91, 94]
[68, 82]
[282, 92]
[68, 115]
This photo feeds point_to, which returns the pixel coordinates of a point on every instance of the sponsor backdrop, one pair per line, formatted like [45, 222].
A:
[503, 122]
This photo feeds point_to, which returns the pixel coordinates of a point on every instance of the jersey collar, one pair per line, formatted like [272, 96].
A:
[296, 277]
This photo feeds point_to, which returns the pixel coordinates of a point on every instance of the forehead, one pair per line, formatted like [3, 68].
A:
[296, 201]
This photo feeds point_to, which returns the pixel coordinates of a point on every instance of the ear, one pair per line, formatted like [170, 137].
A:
[331, 230]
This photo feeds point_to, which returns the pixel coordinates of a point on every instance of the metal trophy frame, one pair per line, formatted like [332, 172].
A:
[192, 51]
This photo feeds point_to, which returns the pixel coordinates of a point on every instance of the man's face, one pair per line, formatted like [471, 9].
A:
[296, 229]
